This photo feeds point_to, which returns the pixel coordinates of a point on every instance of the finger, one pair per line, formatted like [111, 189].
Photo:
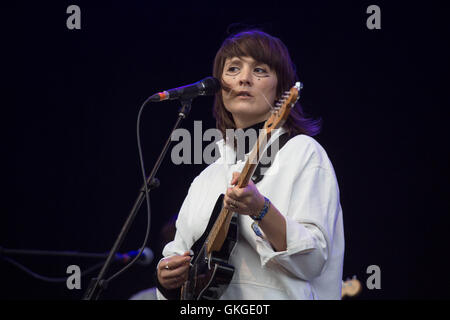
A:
[187, 253]
[172, 284]
[239, 192]
[180, 273]
[177, 261]
[235, 178]
[175, 283]
[229, 198]
[175, 273]
[226, 203]
[173, 263]
[229, 202]
[234, 193]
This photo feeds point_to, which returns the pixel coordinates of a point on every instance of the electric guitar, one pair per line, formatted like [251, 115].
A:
[210, 273]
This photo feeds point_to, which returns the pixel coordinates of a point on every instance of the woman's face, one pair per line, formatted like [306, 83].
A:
[253, 90]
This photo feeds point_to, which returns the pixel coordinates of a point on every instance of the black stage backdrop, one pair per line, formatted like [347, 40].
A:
[70, 100]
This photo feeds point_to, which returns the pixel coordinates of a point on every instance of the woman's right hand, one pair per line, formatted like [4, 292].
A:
[173, 271]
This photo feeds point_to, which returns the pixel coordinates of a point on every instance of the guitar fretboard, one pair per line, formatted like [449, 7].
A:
[219, 231]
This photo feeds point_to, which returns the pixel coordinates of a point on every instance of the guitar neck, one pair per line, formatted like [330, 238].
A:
[218, 233]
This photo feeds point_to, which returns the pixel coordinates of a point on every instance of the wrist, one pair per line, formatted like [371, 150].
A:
[264, 209]
[259, 217]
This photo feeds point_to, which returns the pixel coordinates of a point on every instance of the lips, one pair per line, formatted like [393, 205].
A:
[243, 94]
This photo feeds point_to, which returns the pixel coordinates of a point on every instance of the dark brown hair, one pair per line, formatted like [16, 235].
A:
[267, 49]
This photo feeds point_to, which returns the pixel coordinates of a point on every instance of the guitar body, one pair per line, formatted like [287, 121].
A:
[210, 275]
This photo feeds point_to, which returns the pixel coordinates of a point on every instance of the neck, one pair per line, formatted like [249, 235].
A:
[242, 122]
[256, 126]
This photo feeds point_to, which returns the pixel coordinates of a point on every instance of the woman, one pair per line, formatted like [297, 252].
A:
[298, 251]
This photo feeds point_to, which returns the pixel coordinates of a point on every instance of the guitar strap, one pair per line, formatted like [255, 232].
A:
[258, 175]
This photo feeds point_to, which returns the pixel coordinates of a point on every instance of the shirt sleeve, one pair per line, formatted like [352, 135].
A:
[310, 223]
[177, 246]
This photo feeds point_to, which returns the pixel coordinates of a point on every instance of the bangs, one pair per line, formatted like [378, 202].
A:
[254, 44]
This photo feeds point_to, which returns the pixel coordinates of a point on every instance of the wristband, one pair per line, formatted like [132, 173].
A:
[255, 224]
[263, 211]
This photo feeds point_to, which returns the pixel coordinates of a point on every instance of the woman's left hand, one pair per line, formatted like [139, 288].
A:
[247, 201]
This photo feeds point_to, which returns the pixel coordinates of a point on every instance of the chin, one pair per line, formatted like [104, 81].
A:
[247, 108]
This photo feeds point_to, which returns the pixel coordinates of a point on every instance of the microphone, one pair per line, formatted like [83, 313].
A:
[145, 259]
[205, 87]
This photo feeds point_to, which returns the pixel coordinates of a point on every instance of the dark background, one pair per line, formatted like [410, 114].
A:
[69, 106]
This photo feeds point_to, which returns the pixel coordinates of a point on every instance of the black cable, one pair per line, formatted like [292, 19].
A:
[141, 160]
[45, 278]
[96, 266]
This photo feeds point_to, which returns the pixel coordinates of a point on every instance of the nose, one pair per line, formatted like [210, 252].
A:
[245, 77]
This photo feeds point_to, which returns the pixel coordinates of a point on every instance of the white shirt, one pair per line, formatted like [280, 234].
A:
[302, 185]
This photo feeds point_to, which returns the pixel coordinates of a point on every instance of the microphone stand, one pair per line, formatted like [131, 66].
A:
[98, 284]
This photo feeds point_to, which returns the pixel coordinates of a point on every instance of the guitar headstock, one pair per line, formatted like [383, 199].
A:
[351, 287]
[283, 107]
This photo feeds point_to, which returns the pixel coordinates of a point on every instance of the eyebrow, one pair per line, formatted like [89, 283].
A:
[239, 60]
[234, 60]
